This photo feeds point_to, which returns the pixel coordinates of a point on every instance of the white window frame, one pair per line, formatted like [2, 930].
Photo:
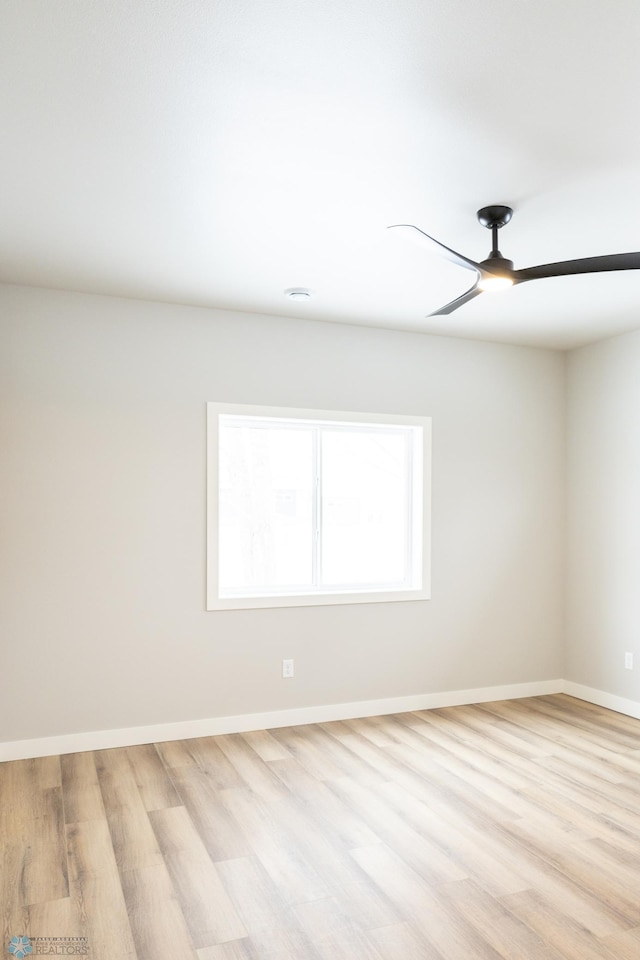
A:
[419, 589]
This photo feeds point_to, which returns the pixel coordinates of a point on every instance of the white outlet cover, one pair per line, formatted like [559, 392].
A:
[287, 668]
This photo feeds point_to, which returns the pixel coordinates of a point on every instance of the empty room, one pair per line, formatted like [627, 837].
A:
[319, 473]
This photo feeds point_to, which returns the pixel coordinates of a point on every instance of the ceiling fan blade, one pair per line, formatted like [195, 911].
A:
[450, 254]
[474, 291]
[568, 268]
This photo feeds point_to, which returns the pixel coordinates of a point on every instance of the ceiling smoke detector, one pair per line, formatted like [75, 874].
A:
[298, 293]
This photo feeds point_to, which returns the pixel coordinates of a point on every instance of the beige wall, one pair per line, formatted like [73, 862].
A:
[102, 512]
[603, 605]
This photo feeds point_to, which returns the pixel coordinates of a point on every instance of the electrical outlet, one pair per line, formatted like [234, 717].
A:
[287, 668]
[628, 661]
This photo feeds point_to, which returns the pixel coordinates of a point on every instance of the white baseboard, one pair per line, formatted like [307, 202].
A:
[185, 729]
[630, 708]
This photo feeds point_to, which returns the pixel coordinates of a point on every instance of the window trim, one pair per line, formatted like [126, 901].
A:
[294, 599]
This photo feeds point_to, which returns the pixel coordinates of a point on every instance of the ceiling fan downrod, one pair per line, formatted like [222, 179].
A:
[493, 218]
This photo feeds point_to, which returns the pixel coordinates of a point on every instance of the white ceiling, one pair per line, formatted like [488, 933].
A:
[216, 152]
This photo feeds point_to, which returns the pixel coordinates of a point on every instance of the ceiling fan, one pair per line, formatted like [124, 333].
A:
[497, 273]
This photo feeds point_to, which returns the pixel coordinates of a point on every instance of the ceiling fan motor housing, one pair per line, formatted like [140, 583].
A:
[497, 264]
[496, 215]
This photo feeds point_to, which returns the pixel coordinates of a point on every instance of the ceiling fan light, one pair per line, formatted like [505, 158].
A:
[495, 283]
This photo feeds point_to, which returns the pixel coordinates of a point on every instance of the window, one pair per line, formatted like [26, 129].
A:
[310, 507]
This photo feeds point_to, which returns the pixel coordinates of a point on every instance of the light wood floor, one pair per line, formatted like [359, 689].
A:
[505, 830]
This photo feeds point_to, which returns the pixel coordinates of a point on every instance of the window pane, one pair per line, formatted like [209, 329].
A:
[265, 508]
[364, 508]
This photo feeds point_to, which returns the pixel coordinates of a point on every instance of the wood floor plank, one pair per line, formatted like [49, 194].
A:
[294, 776]
[610, 807]
[491, 862]
[365, 905]
[296, 878]
[617, 792]
[95, 887]
[619, 849]
[356, 944]
[602, 727]
[321, 847]
[216, 826]
[624, 946]
[158, 926]
[496, 746]
[504, 784]
[324, 919]
[133, 839]
[386, 765]
[14, 799]
[533, 741]
[583, 740]
[420, 852]
[81, 789]
[234, 950]
[253, 771]
[13, 902]
[351, 766]
[214, 762]
[298, 741]
[501, 864]
[154, 784]
[483, 799]
[571, 940]
[371, 729]
[334, 934]
[175, 754]
[32, 826]
[273, 929]
[509, 936]
[501, 742]
[584, 763]
[580, 864]
[452, 936]
[210, 915]
[47, 772]
[44, 871]
[61, 917]
[323, 808]
[203, 753]
[265, 745]
[577, 902]
[557, 725]
[572, 815]
[400, 941]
